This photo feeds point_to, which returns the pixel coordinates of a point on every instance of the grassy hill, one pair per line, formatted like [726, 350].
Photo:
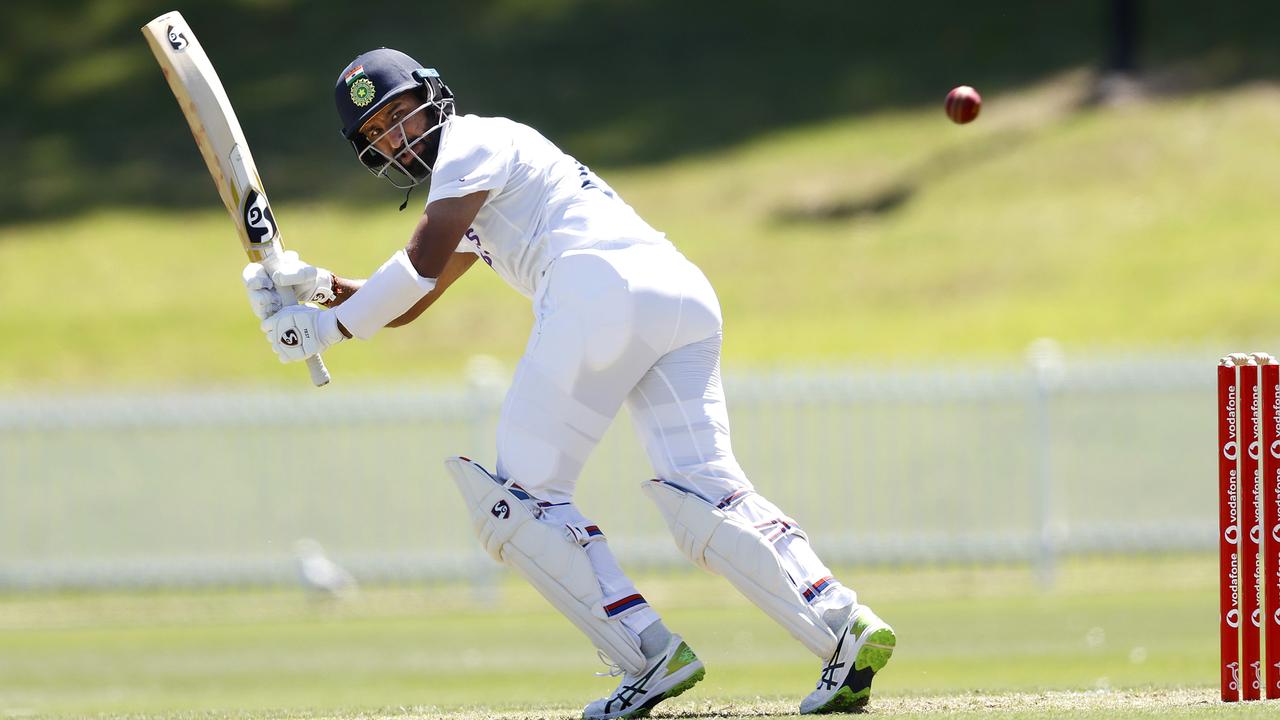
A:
[872, 236]
[93, 127]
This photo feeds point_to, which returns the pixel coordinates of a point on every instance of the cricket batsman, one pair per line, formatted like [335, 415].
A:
[620, 317]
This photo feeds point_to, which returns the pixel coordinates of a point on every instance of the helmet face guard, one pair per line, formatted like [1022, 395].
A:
[411, 163]
[364, 89]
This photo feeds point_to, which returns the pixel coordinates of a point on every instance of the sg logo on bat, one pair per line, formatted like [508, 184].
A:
[177, 40]
[259, 222]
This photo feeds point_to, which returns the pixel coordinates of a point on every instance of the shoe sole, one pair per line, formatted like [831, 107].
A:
[871, 659]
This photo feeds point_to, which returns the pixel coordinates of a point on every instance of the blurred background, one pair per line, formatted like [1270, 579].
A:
[975, 362]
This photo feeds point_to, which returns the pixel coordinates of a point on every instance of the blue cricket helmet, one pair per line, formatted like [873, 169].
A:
[371, 81]
[374, 77]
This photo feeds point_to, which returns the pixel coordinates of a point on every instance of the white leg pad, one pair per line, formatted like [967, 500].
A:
[723, 544]
[546, 555]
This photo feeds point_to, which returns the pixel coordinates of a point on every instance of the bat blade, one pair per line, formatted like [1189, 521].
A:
[217, 132]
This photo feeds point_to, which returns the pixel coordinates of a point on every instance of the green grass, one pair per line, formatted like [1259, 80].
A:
[1143, 226]
[1114, 638]
[616, 83]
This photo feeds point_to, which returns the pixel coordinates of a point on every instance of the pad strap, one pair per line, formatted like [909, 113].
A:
[584, 534]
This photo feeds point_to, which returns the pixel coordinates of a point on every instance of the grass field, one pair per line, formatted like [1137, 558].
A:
[875, 236]
[1119, 637]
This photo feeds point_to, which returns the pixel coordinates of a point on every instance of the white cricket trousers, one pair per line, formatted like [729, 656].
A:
[641, 325]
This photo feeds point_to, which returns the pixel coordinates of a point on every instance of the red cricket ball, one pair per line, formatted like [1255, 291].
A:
[963, 104]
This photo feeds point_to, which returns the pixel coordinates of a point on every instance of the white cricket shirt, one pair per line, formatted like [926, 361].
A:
[541, 201]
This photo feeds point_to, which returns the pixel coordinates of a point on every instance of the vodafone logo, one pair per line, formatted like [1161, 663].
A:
[1233, 618]
[1231, 535]
[1255, 534]
[1256, 618]
[1275, 449]
[1253, 451]
[1275, 533]
[1231, 450]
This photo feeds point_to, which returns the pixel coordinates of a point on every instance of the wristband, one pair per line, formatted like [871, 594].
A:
[385, 296]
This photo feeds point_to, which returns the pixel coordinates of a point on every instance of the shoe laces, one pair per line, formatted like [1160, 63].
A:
[614, 668]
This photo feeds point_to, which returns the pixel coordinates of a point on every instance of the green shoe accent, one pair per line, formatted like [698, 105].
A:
[846, 700]
[860, 624]
[687, 683]
[681, 657]
[878, 649]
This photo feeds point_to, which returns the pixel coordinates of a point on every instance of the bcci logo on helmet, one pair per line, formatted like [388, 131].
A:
[361, 87]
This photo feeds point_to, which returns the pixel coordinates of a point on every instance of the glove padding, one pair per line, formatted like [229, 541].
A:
[309, 284]
[300, 331]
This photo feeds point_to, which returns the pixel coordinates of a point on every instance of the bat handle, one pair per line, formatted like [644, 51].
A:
[319, 373]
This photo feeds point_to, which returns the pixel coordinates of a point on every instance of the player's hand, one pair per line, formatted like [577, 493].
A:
[309, 283]
[263, 296]
[300, 331]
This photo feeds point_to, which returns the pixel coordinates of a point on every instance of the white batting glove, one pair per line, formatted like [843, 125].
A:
[309, 284]
[264, 299]
[300, 331]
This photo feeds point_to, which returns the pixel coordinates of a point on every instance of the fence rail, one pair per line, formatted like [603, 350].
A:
[1022, 462]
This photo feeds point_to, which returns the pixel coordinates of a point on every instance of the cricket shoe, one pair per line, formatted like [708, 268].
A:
[672, 672]
[864, 647]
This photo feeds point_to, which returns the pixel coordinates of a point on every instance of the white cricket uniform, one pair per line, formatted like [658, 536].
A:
[620, 316]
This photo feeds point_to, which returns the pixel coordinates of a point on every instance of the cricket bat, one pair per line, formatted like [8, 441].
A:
[221, 141]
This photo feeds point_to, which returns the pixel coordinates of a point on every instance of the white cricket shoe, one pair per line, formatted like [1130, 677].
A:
[672, 672]
[864, 648]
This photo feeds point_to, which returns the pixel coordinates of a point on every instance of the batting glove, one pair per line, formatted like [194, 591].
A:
[309, 284]
[300, 331]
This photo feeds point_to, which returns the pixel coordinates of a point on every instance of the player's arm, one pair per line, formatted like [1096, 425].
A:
[394, 291]
[458, 264]
[440, 229]
[411, 276]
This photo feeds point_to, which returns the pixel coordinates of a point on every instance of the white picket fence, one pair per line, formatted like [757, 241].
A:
[953, 463]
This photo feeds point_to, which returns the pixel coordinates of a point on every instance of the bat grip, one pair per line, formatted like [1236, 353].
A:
[319, 373]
